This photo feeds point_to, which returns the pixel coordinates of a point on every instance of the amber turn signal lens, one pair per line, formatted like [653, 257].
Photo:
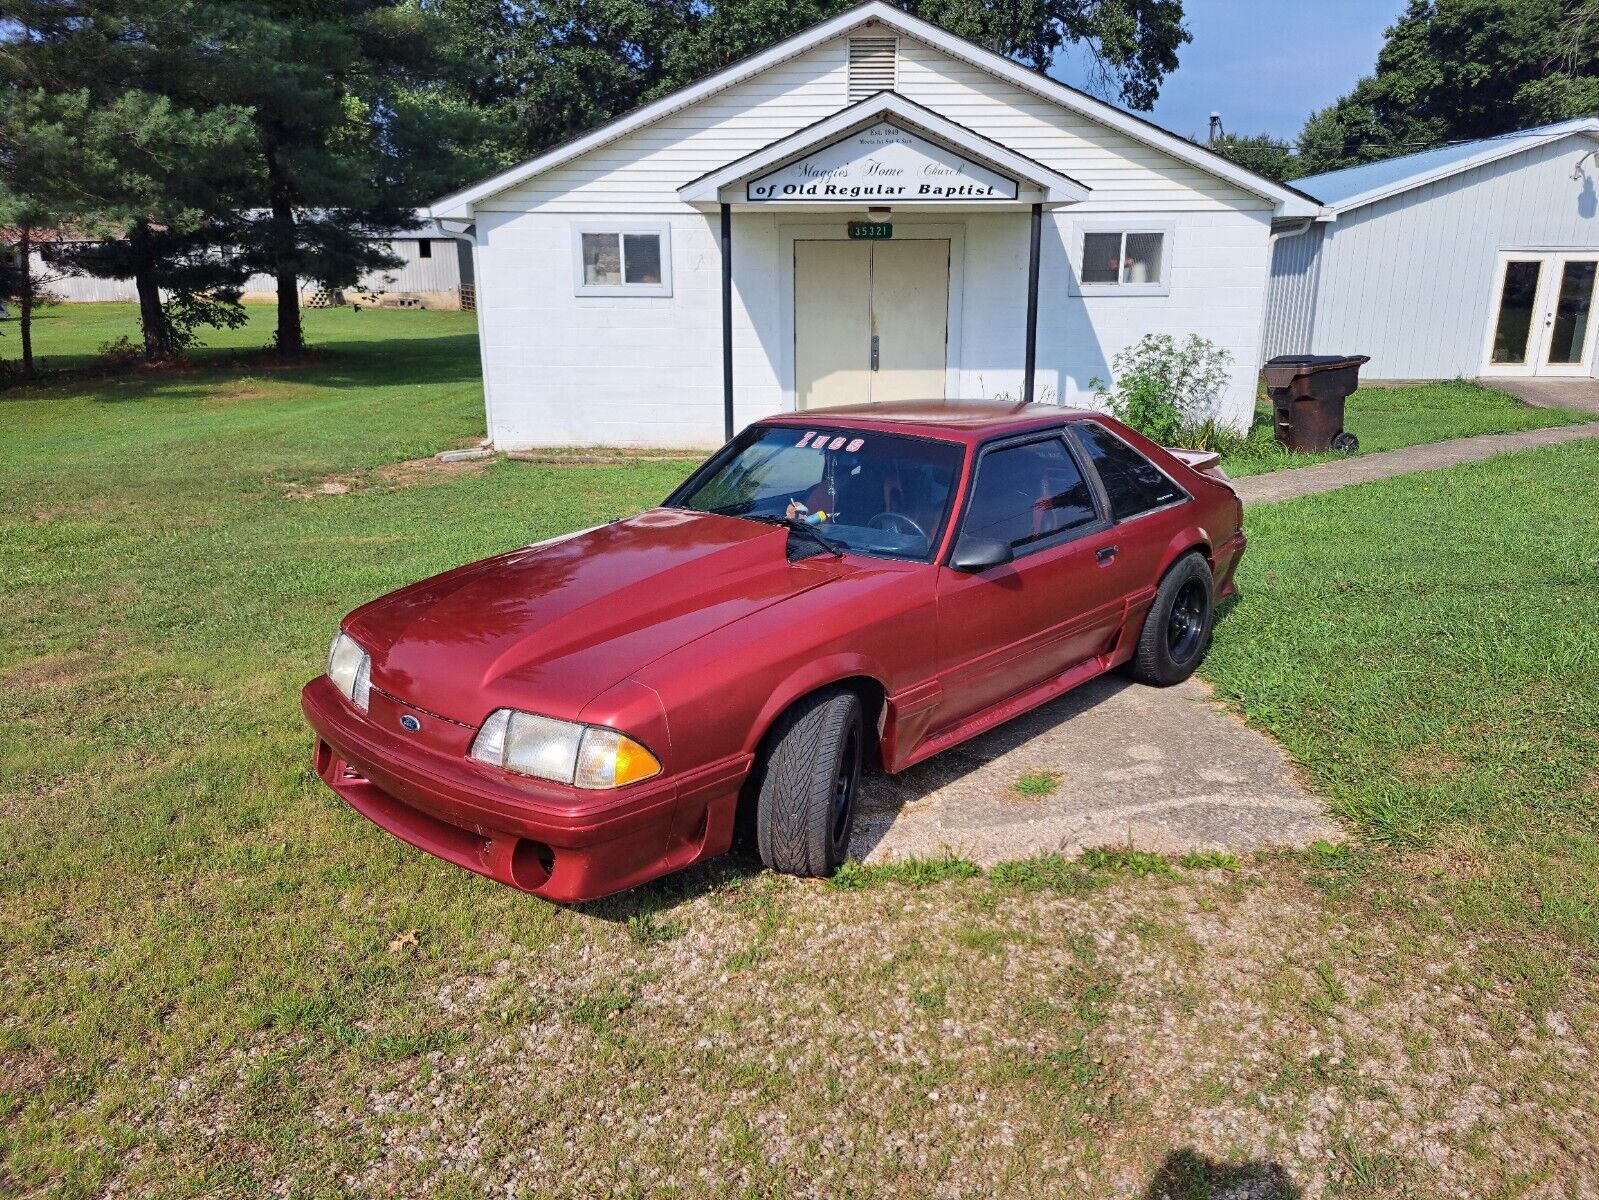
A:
[608, 759]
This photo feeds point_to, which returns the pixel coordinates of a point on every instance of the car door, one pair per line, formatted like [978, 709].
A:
[1144, 503]
[1006, 628]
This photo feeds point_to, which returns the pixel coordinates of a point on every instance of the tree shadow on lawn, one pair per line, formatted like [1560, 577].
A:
[397, 362]
[1189, 1175]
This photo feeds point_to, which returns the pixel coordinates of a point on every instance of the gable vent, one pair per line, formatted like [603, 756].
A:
[873, 66]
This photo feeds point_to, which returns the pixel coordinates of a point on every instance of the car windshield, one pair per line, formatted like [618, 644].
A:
[875, 493]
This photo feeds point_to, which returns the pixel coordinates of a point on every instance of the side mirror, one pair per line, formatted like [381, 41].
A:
[973, 554]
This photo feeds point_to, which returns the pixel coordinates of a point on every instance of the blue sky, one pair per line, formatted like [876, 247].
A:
[1265, 66]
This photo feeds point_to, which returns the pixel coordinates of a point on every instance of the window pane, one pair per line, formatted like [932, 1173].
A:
[1132, 483]
[1102, 257]
[1516, 300]
[1571, 313]
[1027, 493]
[1142, 262]
[602, 258]
[642, 256]
[424, 248]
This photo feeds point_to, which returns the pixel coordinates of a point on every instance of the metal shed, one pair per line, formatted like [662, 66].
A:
[1470, 260]
[435, 272]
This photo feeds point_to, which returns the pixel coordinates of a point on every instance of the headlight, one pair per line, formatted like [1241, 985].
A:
[585, 756]
[350, 668]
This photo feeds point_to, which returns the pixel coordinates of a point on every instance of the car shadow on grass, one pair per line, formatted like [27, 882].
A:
[1189, 1175]
[883, 799]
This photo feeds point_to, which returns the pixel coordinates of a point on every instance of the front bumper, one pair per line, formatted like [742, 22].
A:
[562, 843]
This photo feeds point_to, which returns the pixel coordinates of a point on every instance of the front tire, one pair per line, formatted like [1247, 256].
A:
[1177, 629]
[806, 806]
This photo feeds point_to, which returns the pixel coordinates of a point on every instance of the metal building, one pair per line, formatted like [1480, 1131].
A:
[1466, 261]
[436, 272]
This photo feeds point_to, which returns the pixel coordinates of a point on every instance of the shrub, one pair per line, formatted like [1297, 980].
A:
[1167, 389]
[185, 312]
[120, 352]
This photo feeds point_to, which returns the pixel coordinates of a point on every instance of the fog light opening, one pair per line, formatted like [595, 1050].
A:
[531, 864]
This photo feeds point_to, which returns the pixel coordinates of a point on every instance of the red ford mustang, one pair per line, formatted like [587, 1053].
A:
[831, 590]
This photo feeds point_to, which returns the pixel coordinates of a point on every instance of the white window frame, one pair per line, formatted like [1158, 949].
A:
[660, 229]
[1168, 239]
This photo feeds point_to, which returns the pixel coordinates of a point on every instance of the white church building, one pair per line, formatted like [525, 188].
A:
[872, 209]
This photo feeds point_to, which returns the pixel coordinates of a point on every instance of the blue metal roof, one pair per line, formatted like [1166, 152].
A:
[1390, 174]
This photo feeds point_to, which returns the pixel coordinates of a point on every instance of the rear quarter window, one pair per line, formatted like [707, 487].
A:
[1133, 484]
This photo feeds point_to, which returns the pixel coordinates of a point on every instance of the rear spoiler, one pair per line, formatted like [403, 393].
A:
[1199, 460]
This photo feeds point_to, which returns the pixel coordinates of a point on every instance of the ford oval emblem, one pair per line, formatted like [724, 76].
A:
[410, 723]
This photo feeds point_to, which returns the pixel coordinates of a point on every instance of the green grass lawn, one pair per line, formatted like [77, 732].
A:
[207, 992]
[70, 336]
[1388, 418]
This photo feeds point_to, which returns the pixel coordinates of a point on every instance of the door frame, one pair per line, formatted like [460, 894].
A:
[1553, 262]
[812, 230]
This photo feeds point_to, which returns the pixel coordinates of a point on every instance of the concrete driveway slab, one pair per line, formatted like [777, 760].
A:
[1579, 394]
[1161, 769]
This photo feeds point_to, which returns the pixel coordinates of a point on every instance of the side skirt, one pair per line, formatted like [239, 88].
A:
[1013, 706]
[1040, 693]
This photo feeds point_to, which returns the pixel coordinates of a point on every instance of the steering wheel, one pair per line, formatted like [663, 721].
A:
[895, 522]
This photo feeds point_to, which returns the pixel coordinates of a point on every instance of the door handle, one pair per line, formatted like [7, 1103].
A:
[1105, 553]
[874, 352]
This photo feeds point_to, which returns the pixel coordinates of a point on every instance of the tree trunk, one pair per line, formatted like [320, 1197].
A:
[152, 321]
[291, 337]
[25, 301]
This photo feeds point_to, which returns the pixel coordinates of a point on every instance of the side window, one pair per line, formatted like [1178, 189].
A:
[1133, 484]
[1025, 494]
[622, 262]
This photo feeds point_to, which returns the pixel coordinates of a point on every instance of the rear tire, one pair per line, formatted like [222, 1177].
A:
[1177, 629]
[806, 806]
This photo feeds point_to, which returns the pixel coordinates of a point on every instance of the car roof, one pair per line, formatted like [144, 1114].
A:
[954, 420]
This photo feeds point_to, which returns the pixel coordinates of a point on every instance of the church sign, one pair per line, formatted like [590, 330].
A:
[882, 163]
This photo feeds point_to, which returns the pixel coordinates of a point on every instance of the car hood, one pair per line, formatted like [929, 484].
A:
[552, 626]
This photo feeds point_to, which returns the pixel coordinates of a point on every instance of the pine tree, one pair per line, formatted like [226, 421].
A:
[349, 134]
[104, 128]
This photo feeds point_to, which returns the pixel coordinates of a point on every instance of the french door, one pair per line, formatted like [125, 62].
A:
[1543, 314]
[870, 320]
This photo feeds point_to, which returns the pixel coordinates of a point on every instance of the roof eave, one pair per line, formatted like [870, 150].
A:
[1053, 188]
[1287, 200]
[1590, 129]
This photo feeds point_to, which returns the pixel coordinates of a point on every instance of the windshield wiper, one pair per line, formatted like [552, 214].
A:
[794, 525]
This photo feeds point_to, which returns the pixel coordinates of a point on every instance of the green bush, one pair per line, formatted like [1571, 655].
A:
[1167, 390]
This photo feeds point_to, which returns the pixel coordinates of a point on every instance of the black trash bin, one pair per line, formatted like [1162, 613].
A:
[1307, 399]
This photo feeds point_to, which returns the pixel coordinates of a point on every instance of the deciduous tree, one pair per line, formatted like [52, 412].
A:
[1260, 152]
[563, 66]
[1455, 70]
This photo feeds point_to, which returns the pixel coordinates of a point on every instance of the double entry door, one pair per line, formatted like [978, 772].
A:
[1543, 317]
[870, 320]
